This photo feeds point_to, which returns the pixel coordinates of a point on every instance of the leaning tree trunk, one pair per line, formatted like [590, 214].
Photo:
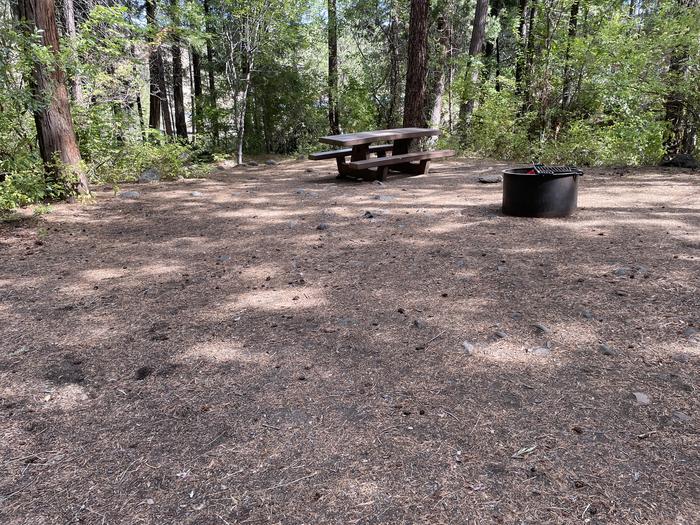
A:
[52, 116]
[333, 116]
[178, 92]
[475, 46]
[417, 67]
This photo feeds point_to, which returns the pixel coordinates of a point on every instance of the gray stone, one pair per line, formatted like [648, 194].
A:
[517, 316]
[540, 328]
[641, 398]
[309, 170]
[621, 272]
[129, 194]
[680, 416]
[541, 351]
[368, 215]
[606, 350]
[150, 175]
[271, 162]
[322, 226]
[197, 194]
[490, 179]
[690, 332]
[468, 347]
[680, 357]
[586, 314]
[500, 334]
[384, 198]
[223, 258]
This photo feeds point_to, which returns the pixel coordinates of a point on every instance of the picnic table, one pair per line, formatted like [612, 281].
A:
[395, 155]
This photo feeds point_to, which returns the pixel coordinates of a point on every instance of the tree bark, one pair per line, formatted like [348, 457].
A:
[333, 116]
[522, 45]
[163, 94]
[417, 67]
[210, 74]
[154, 109]
[197, 91]
[476, 45]
[437, 90]
[567, 91]
[75, 81]
[178, 92]
[52, 116]
[391, 119]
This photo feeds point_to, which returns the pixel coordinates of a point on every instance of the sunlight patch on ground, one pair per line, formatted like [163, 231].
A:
[224, 351]
[294, 298]
[260, 272]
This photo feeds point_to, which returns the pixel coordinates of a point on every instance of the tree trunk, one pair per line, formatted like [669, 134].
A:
[54, 124]
[675, 105]
[178, 92]
[522, 45]
[75, 81]
[333, 117]
[210, 74]
[154, 109]
[417, 67]
[391, 118]
[437, 90]
[163, 93]
[567, 81]
[475, 47]
[197, 91]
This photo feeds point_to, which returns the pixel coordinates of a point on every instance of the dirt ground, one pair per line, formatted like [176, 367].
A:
[256, 348]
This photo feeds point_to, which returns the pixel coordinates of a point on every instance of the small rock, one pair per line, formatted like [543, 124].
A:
[586, 314]
[606, 350]
[379, 183]
[368, 215]
[517, 316]
[271, 162]
[196, 194]
[501, 268]
[540, 328]
[681, 416]
[690, 332]
[417, 323]
[223, 258]
[621, 272]
[490, 179]
[384, 198]
[143, 373]
[641, 398]
[621, 293]
[500, 334]
[150, 175]
[322, 226]
[541, 351]
[468, 347]
[680, 357]
[309, 170]
[129, 194]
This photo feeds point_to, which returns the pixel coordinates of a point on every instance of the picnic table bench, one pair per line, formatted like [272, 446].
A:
[394, 156]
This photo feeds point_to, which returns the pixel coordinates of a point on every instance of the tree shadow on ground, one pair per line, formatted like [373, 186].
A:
[222, 356]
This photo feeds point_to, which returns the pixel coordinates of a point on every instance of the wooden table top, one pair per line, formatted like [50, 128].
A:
[367, 137]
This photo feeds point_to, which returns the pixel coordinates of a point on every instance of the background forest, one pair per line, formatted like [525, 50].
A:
[170, 84]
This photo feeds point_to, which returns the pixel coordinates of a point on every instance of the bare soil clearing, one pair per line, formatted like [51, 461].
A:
[257, 348]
